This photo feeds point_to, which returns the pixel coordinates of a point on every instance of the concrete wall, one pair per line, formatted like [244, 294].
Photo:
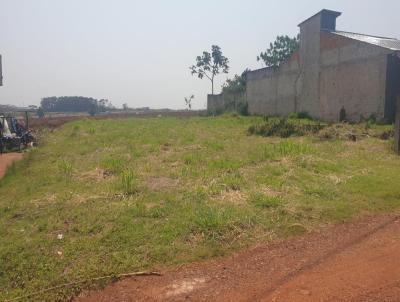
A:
[392, 85]
[329, 73]
[293, 87]
[353, 76]
[272, 91]
[309, 65]
[215, 103]
[223, 102]
[397, 127]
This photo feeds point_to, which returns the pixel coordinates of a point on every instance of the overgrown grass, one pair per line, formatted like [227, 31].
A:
[293, 126]
[264, 201]
[65, 168]
[128, 182]
[284, 127]
[130, 195]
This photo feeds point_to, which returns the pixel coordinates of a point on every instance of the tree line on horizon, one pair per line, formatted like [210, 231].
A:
[75, 104]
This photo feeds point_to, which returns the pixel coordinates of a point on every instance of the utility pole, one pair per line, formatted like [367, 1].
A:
[397, 127]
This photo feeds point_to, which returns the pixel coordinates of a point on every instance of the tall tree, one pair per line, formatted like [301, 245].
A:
[279, 51]
[210, 64]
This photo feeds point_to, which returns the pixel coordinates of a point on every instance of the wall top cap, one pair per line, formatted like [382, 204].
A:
[324, 13]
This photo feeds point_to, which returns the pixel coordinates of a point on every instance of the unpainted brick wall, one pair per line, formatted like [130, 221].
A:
[397, 127]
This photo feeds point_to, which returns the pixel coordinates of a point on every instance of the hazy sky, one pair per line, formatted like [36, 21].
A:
[139, 52]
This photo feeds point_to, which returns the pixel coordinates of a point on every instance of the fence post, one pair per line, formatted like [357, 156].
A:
[397, 127]
[26, 120]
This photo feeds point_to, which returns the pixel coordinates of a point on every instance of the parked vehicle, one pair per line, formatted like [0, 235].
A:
[13, 134]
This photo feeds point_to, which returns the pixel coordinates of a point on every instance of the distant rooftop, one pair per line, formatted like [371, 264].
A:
[389, 43]
[324, 13]
[328, 24]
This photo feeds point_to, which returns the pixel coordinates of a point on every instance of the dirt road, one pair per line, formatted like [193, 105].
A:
[358, 261]
[6, 160]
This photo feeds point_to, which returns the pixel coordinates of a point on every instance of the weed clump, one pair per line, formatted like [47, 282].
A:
[386, 135]
[285, 128]
[301, 115]
[65, 168]
[294, 126]
[261, 200]
[285, 148]
[113, 165]
[75, 131]
[128, 182]
[288, 148]
[221, 224]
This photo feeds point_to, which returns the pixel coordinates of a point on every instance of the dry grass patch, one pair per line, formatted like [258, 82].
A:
[233, 197]
[162, 183]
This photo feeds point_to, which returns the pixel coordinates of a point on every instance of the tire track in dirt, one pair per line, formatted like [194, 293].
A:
[368, 270]
[356, 261]
[324, 258]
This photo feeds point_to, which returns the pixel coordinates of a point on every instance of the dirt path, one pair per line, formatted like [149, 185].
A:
[358, 261]
[6, 160]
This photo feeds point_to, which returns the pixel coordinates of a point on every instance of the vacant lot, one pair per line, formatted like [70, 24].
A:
[107, 197]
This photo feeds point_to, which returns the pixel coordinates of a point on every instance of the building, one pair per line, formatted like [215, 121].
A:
[332, 70]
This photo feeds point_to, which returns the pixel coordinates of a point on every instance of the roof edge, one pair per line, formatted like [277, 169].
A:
[323, 11]
[389, 47]
[350, 32]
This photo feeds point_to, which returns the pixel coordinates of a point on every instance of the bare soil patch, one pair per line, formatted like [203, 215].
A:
[355, 261]
[6, 160]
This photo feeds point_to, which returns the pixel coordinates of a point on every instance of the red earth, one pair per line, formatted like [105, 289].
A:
[356, 261]
[6, 160]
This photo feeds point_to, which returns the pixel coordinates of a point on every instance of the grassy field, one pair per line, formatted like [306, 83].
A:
[107, 197]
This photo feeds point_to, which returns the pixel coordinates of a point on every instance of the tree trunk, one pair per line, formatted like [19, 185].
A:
[212, 86]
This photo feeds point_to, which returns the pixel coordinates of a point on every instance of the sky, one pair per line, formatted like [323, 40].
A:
[139, 52]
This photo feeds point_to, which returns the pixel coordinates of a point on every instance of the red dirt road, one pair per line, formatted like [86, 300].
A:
[358, 261]
[6, 160]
